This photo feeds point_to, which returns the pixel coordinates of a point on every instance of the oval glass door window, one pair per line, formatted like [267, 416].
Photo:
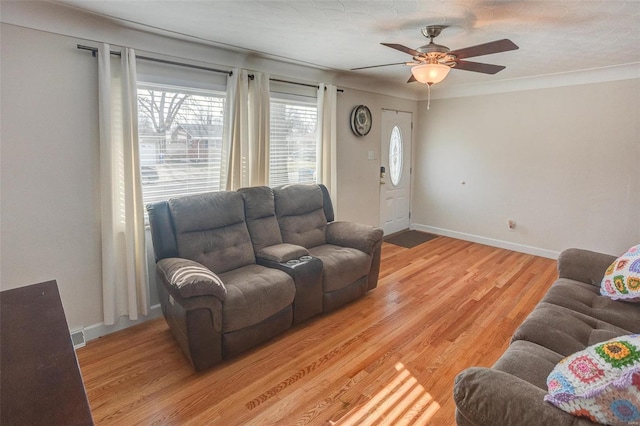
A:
[395, 156]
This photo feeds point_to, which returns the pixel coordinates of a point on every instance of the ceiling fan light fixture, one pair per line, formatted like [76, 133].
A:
[430, 73]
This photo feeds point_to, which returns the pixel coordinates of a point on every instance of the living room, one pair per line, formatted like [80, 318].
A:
[556, 153]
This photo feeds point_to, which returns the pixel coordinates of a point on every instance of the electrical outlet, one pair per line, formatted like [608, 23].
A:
[512, 225]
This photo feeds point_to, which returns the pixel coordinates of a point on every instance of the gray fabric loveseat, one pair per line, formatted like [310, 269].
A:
[571, 316]
[236, 268]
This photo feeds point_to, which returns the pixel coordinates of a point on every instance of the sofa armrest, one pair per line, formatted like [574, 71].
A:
[196, 322]
[190, 279]
[355, 235]
[282, 252]
[488, 397]
[583, 265]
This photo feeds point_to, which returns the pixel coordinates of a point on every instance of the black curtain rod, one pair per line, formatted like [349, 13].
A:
[293, 82]
[94, 52]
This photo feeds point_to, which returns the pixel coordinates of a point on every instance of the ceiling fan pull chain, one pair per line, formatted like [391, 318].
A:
[428, 96]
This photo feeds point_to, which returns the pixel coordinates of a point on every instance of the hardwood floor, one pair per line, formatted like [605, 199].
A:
[388, 358]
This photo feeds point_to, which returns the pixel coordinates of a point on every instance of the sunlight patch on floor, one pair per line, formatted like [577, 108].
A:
[403, 401]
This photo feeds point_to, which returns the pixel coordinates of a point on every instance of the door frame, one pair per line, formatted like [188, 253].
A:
[383, 162]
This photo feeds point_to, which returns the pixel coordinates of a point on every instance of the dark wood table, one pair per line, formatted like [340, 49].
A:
[40, 381]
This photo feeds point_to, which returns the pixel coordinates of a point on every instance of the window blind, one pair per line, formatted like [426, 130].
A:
[293, 141]
[180, 139]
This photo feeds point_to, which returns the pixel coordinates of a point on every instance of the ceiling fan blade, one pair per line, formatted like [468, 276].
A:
[377, 66]
[402, 48]
[478, 67]
[497, 46]
[411, 79]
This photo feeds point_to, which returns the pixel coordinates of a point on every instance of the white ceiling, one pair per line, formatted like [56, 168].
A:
[553, 36]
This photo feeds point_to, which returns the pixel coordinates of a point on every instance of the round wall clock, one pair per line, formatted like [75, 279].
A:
[361, 120]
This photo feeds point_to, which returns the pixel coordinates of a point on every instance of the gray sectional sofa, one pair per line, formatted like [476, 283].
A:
[571, 316]
[236, 268]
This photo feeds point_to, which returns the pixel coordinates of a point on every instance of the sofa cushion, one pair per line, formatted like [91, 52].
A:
[260, 213]
[210, 229]
[583, 265]
[562, 330]
[306, 230]
[341, 265]
[489, 397]
[529, 362]
[622, 278]
[258, 201]
[254, 293]
[282, 252]
[191, 279]
[601, 382]
[300, 213]
[297, 199]
[586, 299]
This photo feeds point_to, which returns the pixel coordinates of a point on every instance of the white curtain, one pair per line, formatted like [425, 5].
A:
[246, 141]
[327, 155]
[259, 129]
[125, 285]
[236, 128]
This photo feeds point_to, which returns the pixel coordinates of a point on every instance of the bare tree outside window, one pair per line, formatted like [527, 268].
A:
[180, 137]
[161, 108]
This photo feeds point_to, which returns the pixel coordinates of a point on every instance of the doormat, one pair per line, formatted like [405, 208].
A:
[410, 239]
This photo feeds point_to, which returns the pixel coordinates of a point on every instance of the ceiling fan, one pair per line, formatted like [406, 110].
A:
[431, 63]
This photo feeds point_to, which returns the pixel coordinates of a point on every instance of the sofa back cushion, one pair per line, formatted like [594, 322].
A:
[210, 229]
[260, 214]
[300, 214]
[163, 233]
[327, 205]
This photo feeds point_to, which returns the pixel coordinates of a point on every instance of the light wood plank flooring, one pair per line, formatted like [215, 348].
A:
[388, 358]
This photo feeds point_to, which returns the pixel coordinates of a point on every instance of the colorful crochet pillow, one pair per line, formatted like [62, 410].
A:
[622, 278]
[601, 382]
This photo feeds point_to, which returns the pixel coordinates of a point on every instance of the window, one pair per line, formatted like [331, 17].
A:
[293, 141]
[395, 156]
[180, 140]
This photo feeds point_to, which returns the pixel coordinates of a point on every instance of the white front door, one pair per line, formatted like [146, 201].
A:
[395, 171]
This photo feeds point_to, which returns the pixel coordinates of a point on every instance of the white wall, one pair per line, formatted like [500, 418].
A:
[359, 177]
[50, 226]
[562, 162]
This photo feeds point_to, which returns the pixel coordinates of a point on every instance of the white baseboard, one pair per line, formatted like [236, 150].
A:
[98, 330]
[536, 251]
